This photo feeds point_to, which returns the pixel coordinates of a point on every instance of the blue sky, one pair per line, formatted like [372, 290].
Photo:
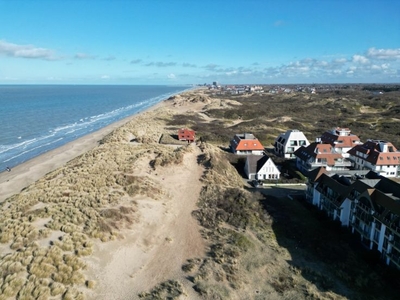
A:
[190, 42]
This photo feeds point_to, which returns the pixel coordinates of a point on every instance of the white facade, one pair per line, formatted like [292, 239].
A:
[384, 170]
[378, 156]
[367, 210]
[287, 143]
[261, 168]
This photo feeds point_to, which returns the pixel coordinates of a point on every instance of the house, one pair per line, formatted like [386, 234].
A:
[312, 195]
[341, 139]
[369, 206]
[319, 155]
[246, 143]
[261, 167]
[378, 156]
[185, 134]
[287, 143]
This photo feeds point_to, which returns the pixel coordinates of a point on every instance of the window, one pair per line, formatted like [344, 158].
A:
[293, 143]
[302, 142]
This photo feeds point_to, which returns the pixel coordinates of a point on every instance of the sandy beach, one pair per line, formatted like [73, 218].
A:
[130, 212]
[142, 246]
[30, 171]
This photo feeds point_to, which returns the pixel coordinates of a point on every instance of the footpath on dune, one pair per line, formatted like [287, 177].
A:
[163, 238]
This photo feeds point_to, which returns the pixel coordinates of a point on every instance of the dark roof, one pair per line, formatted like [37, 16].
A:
[344, 140]
[340, 191]
[318, 150]
[313, 175]
[375, 155]
[256, 162]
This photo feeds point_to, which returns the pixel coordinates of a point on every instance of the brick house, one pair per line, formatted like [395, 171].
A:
[185, 134]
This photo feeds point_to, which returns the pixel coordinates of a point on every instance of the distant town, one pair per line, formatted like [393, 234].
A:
[298, 88]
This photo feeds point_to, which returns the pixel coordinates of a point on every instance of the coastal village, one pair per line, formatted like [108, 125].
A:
[215, 195]
[346, 178]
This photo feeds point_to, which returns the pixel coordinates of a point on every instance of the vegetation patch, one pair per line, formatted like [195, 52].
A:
[170, 289]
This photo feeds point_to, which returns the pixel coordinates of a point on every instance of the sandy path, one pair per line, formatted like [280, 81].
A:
[155, 248]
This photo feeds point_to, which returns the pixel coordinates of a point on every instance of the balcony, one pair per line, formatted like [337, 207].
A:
[396, 244]
[364, 232]
[395, 259]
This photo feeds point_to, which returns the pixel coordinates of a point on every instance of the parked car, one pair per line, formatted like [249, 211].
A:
[255, 183]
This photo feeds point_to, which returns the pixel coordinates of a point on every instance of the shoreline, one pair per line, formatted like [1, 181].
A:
[32, 170]
[128, 223]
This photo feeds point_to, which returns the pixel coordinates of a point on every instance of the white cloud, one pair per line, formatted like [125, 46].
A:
[389, 54]
[105, 77]
[360, 59]
[171, 76]
[26, 51]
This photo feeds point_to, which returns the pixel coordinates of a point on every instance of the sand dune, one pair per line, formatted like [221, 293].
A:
[117, 200]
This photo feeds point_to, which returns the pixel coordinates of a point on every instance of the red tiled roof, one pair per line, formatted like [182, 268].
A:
[186, 134]
[375, 155]
[317, 150]
[347, 141]
[243, 144]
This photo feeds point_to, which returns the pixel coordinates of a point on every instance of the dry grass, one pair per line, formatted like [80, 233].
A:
[171, 289]
[90, 198]
[52, 224]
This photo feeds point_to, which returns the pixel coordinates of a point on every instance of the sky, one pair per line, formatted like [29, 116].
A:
[196, 42]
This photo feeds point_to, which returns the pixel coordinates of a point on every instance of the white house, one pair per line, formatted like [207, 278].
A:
[287, 143]
[318, 155]
[378, 156]
[261, 167]
[341, 139]
[246, 143]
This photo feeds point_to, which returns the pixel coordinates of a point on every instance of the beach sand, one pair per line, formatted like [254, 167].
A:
[159, 236]
[35, 168]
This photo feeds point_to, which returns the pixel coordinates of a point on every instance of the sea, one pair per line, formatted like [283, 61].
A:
[37, 118]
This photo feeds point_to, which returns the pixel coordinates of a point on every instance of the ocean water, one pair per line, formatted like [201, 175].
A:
[37, 118]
